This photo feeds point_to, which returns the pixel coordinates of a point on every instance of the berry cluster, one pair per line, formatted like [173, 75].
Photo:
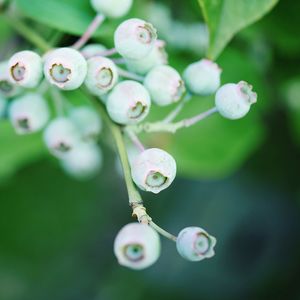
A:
[127, 94]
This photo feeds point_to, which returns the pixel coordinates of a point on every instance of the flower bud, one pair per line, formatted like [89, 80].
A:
[137, 246]
[164, 85]
[87, 121]
[128, 103]
[233, 101]
[65, 67]
[25, 69]
[91, 50]
[7, 88]
[102, 75]
[61, 136]
[195, 244]
[134, 38]
[3, 106]
[153, 170]
[83, 162]
[158, 56]
[29, 113]
[202, 77]
[112, 8]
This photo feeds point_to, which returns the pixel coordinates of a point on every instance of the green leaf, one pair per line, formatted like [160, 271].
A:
[226, 18]
[17, 151]
[71, 16]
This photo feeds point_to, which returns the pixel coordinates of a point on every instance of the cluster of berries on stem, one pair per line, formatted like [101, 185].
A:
[122, 91]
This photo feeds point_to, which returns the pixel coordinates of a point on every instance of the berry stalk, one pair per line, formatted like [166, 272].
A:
[95, 24]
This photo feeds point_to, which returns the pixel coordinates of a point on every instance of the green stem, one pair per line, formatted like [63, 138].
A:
[27, 33]
[172, 127]
[135, 199]
[133, 194]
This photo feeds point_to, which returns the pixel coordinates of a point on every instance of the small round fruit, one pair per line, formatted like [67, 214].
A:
[153, 170]
[102, 75]
[25, 69]
[83, 162]
[66, 68]
[29, 113]
[88, 122]
[112, 8]
[128, 103]
[7, 88]
[195, 244]
[91, 50]
[202, 77]
[134, 38]
[137, 246]
[164, 85]
[158, 56]
[233, 101]
[61, 136]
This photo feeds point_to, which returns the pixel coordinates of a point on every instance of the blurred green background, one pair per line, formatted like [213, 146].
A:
[237, 179]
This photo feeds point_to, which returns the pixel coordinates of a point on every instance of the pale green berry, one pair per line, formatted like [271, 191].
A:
[91, 50]
[61, 136]
[88, 122]
[25, 69]
[195, 244]
[158, 56]
[102, 75]
[128, 103]
[83, 162]
[153, 170]
[137, 246]
[7, 88]
[233, 101]
[112, 8]
[135, 38]
[3, 106]
[164, 85]
[29, 113]
[202, 77]
[65, 67]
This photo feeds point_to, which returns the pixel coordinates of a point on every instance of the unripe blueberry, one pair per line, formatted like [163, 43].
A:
[3, 105]
[25, 69]
[164, 85]
[83, 162]
[195, 244]
[134, 38]
[153, 170]
[61, 136]
[29, 113]
[112, 8]
[233, 101]
[87, 121]
[7, 88]
[158, 56]
[65, 68]
[202, 77]
[137, 246]
[102, 75]
[128, 103]
[91, 50]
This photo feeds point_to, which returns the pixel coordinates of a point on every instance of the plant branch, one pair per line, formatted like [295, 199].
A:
[174, 113]
[95, 24]
[135, 200]
[172, 127]
[127, 74]
[134, 139]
